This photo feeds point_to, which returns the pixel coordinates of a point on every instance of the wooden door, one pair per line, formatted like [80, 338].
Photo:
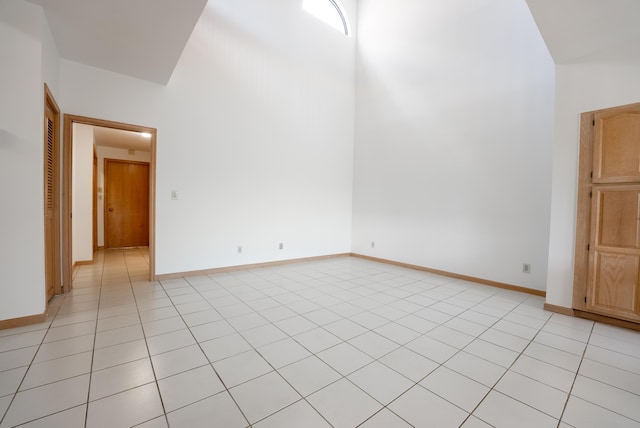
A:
[95, 201]
[126, 204]
[613, 282]
[51, 197]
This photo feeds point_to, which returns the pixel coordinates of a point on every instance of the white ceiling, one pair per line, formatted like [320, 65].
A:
[139, 38]
[120, 139]
[144, 38]
[589, 31]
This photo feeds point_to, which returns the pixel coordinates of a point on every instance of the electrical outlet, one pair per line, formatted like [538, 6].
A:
[281, 246]
[373, 244]
[174, 195]
[526, 268]
[239, 249]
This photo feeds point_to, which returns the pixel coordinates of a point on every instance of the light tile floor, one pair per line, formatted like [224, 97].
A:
[342, 342]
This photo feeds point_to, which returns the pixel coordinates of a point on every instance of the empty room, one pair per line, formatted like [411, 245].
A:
[320, 213]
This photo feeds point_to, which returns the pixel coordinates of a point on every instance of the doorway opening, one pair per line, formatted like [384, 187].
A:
[116, 134]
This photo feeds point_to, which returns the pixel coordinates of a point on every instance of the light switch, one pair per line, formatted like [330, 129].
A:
[174, 195]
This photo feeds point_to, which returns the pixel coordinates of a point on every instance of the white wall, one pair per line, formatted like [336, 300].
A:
[579, 88]
[453, 137]
[27, 59]
[255, 132]
[112, 153]
[82, 191]
[50, 62]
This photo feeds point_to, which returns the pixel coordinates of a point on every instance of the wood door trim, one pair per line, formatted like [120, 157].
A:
[67, 158]
[583, 221]
[106, 190]
[583, 215]
[94, 202]
[50, 103]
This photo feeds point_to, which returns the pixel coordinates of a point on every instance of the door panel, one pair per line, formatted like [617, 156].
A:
[615, 287]
[126, 204]
[619, 217]
[617, 149]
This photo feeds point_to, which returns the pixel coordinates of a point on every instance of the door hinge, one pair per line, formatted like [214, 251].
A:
[585, 299]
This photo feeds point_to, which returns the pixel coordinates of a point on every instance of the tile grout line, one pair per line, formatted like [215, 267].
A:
[492, 388]
[343, 341]
[391, 321]
[595, 380]
[146, 343]
[440, 365]
[30, 363]
[210, 363]
[95, 334]
[575, 377]
[364, 310]
[269, 322]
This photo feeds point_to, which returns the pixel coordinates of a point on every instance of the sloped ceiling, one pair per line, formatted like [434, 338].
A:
[589, 31]
[145, 38]
[139, 38]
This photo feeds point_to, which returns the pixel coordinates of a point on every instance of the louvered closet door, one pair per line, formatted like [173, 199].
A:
[50, 205]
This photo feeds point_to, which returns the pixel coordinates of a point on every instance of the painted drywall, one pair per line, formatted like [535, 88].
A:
[454, 129]
[579, 88]
[112, 153]
[255, 132]
[27, 60]
[50, 60]
[82, 194]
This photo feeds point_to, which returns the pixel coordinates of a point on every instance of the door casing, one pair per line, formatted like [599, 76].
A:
[94, 198]
[67, 158]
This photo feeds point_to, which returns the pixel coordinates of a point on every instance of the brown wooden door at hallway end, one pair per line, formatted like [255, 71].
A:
[613, 281]
[126, 204]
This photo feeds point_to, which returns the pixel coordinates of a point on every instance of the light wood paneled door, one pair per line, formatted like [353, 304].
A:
[613, 274]
[126, 204]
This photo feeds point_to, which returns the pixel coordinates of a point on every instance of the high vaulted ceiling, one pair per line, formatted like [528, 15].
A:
[139, 38]
[144, 38]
